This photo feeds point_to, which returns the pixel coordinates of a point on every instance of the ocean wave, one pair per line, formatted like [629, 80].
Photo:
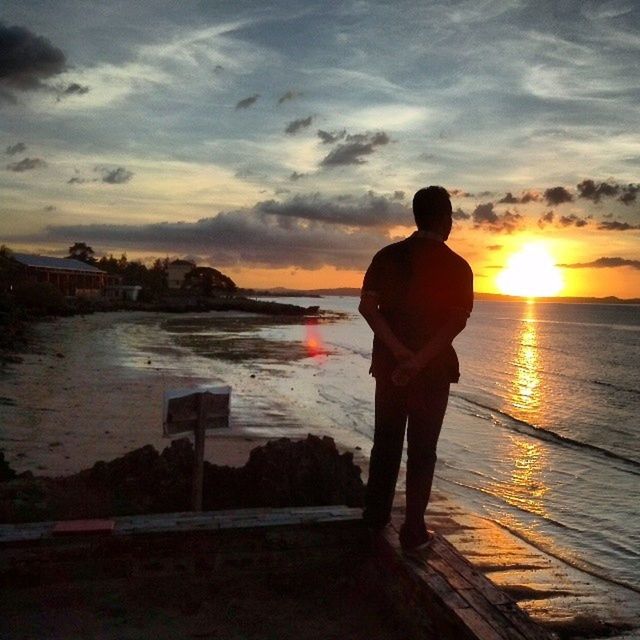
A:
[521, 426]
[614, 386]
[563, 555]
[589, 568]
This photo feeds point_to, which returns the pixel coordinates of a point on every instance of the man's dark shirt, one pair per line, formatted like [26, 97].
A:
[420, 284]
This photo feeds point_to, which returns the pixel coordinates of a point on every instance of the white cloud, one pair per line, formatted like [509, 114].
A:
[390, 117]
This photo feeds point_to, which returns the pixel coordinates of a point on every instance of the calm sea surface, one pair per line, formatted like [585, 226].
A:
[542, 434]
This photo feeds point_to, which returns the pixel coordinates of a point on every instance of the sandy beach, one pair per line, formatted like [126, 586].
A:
[90, 388]
[73, 401]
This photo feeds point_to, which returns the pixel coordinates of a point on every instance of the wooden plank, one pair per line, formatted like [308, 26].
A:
[492, 615]
[24, 532]
[470, 573]
[480, 628]
[521, 621]
[83, 527]
[438, 585]
[453, 580]
[451, 575]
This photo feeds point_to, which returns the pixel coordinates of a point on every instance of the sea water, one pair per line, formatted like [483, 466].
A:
[542, 434]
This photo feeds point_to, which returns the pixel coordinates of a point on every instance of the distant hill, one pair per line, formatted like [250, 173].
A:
[558, 299]
[354, 291]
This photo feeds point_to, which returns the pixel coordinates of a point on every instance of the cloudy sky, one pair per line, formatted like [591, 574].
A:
[282, 142]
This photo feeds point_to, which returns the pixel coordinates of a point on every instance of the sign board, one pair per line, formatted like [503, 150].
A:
[184, 407]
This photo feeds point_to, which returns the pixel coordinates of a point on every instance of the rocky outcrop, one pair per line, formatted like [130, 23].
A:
[281, 473]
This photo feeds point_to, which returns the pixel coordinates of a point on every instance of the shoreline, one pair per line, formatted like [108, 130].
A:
[118, 375]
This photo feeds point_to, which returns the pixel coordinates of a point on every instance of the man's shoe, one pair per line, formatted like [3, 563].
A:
[413, 542]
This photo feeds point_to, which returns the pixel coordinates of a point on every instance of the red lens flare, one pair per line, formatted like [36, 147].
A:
[313, 340]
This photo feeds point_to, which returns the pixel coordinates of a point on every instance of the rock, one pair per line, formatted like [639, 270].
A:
[280, 473]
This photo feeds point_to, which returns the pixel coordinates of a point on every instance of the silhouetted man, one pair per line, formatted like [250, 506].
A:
[416, 296]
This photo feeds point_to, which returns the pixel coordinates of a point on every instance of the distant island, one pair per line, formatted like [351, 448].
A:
[495, 297]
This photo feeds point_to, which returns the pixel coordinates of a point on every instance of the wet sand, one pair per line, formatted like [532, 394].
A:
[90, 388]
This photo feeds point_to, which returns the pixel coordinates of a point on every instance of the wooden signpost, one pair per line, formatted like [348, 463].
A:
[196, 411]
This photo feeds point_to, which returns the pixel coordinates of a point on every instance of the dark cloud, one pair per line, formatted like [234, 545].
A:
[329, 137]
[459, 214]
[557, 195]
[247, 102]
[250, 238]
[572, 221]
[50, 207]
[296, 125]
[75, 89]
[296, 176]
[603, 263]
[629, 193]
[18, 147]
[459, 193]
[289, 95]
[509, 199]
[119, 175]
[368, 210]
[484, 215]
[78, 180]
[27, 59]
[398, 195]
[27, 164]
[546, 219]
[593, 191]
[616, 225]
[494, 247]
[109, 175]
[530, 196]
[527, 196]
[247, 173]
[356, 146]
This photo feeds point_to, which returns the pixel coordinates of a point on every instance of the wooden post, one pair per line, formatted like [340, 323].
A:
[198, 469]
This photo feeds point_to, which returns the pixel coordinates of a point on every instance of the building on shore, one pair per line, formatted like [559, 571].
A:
[72, 277]
[124, 292]
[176, 272]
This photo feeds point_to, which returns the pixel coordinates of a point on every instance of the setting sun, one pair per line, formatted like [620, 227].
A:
[530, 272]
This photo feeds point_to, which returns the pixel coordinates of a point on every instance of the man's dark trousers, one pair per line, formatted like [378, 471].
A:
[420, 407]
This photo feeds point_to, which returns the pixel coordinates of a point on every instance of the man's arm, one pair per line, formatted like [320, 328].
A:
[369, 309]
[410, 367]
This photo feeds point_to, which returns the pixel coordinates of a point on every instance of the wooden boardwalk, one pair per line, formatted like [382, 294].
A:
[439, 592]
[458, 600]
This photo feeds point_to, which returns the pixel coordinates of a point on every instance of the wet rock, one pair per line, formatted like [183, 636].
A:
[300, 473]
[281, 473]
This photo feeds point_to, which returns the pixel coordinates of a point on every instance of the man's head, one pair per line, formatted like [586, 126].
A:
[432, 210]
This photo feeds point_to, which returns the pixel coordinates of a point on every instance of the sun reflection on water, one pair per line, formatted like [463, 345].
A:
[524, 486]
[525, 388]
